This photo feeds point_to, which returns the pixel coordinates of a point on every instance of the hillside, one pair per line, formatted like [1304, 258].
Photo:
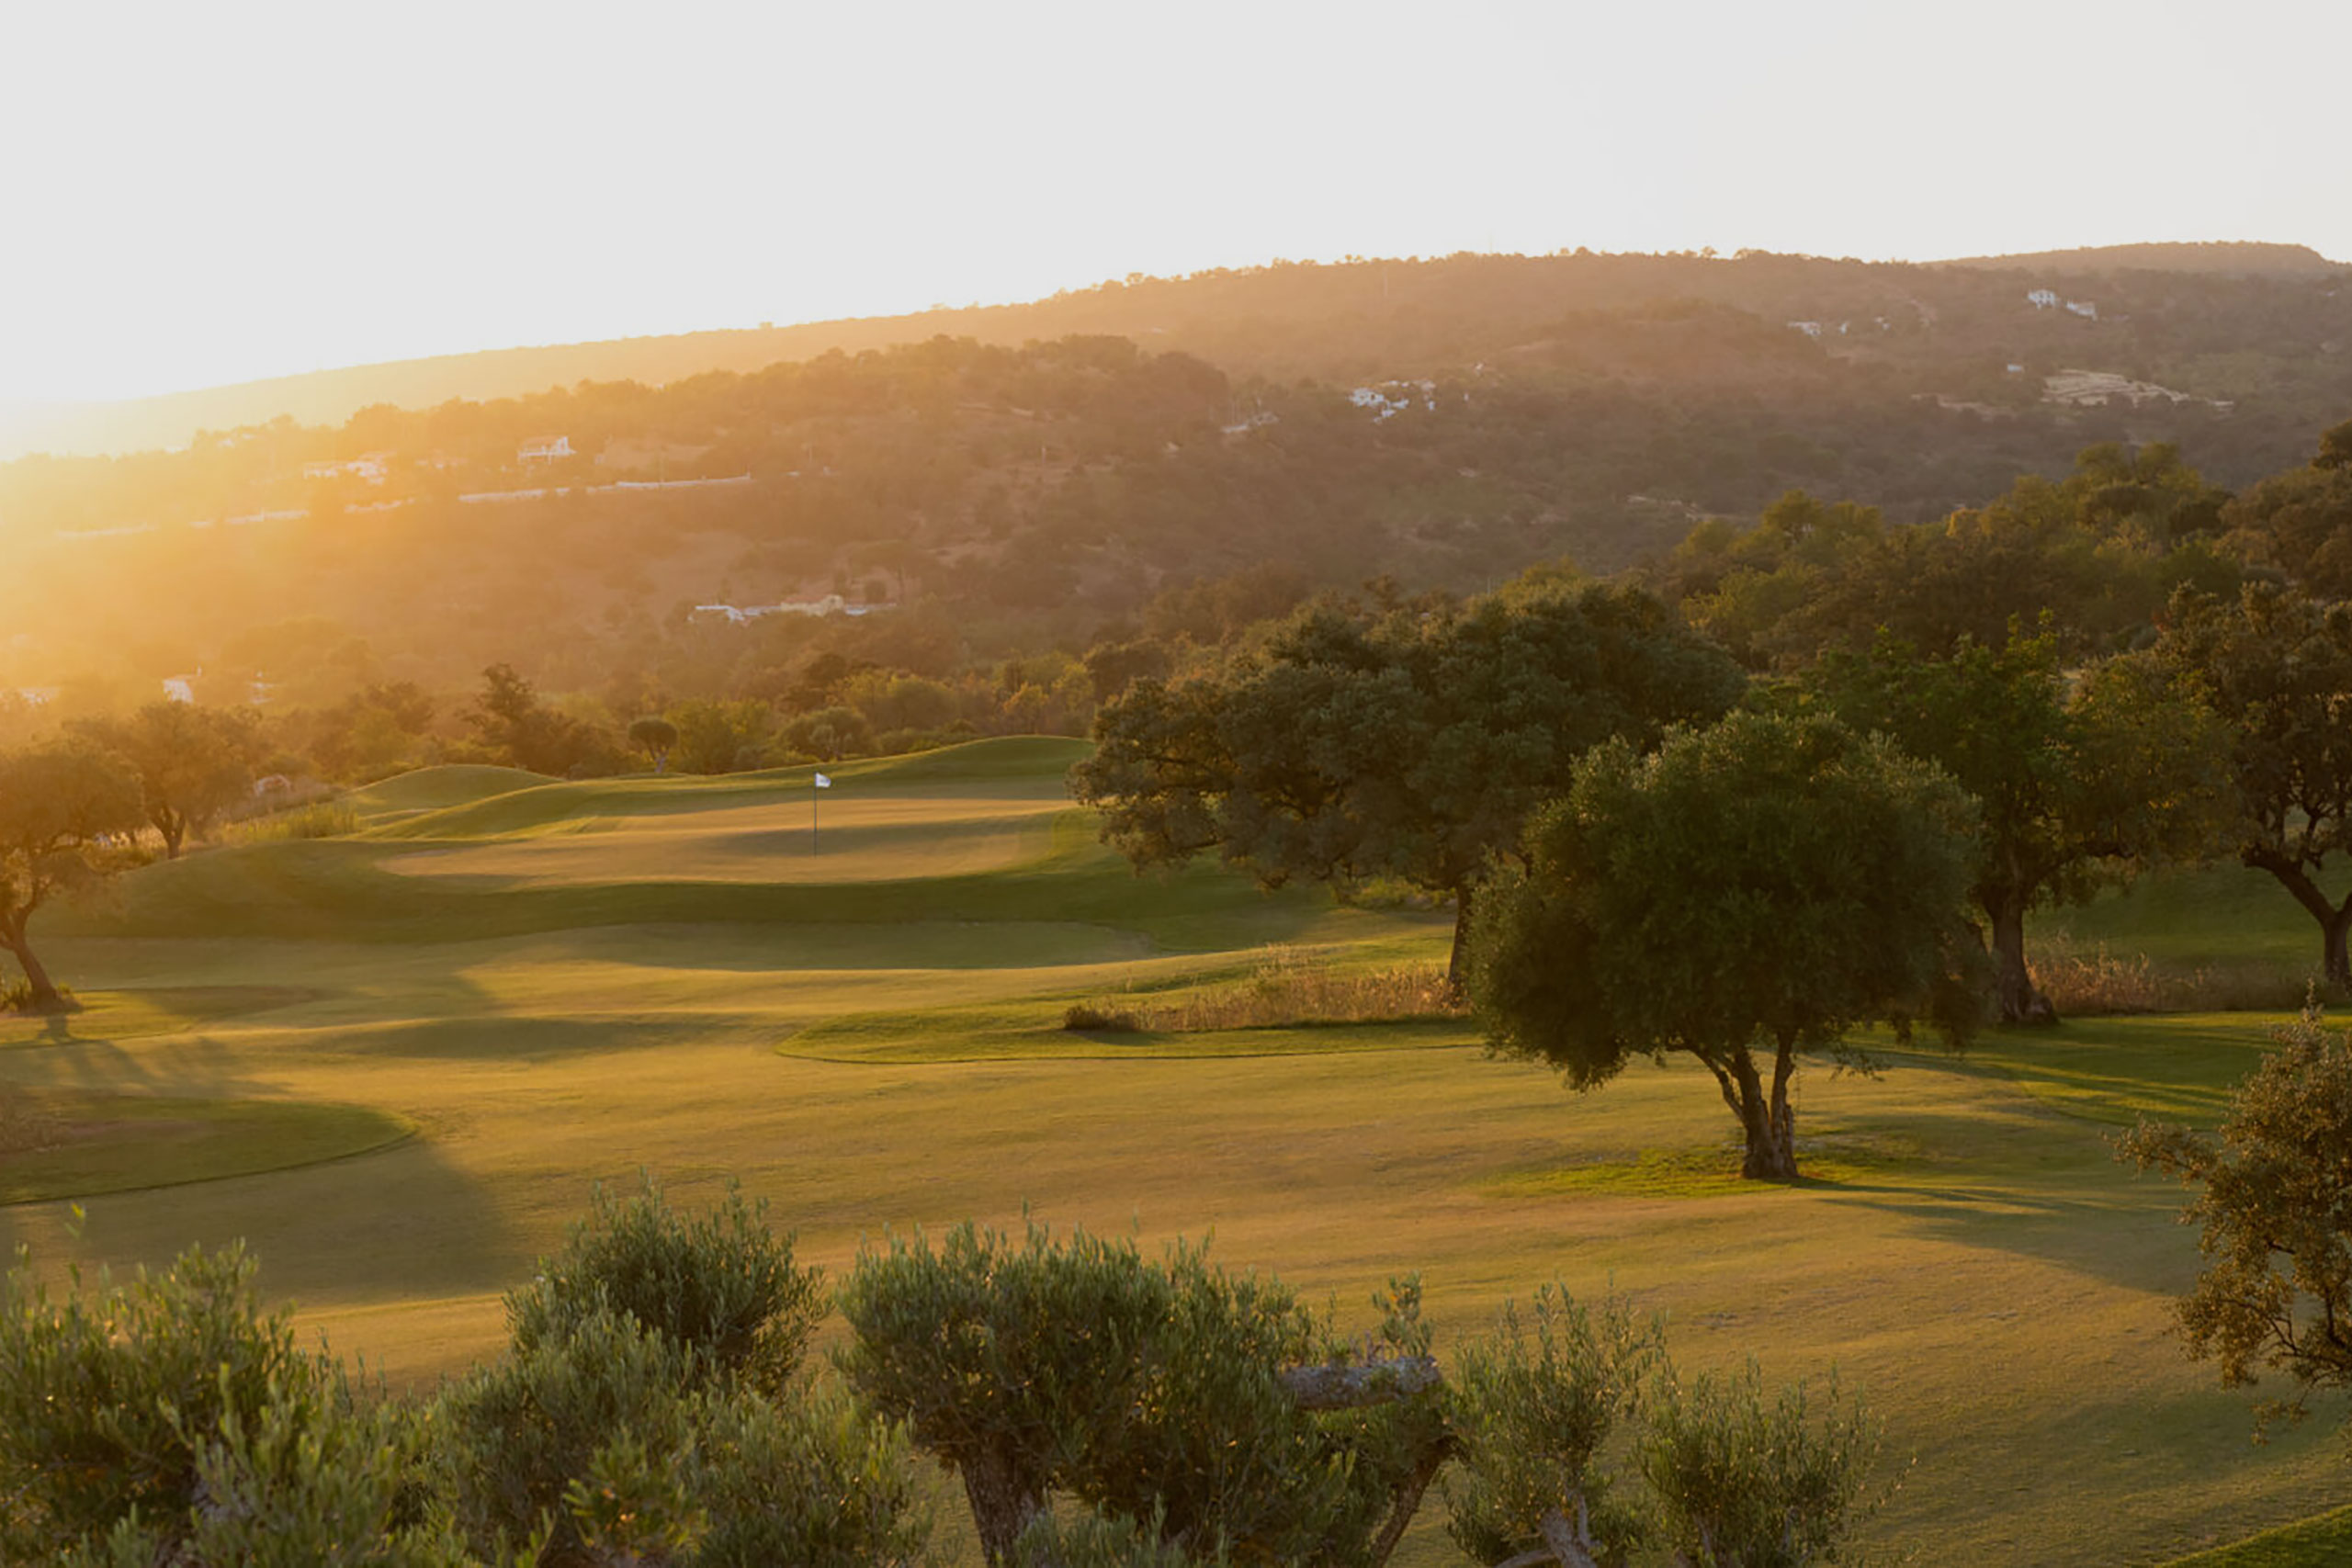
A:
[1346, 321]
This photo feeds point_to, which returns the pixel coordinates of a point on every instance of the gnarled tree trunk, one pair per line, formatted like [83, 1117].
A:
[2020, 1001]
[45, 997]
[1003, 1502]
[2334, 920]
[1767, 1119]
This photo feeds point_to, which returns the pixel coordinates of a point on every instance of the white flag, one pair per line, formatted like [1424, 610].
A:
[824, 783]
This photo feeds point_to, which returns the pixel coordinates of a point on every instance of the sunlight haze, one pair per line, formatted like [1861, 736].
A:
[208, 195]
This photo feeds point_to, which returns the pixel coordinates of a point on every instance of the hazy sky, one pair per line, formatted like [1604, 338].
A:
[205, 193]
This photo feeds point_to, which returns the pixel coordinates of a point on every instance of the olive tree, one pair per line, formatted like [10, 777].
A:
[1746, 891]
[2275, 1210]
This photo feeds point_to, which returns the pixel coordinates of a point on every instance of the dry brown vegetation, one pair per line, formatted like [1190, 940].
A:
[1288, 986]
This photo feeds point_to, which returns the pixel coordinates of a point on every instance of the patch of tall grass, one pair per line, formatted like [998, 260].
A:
[1287, 987]
[318, 819]
[2090, 981]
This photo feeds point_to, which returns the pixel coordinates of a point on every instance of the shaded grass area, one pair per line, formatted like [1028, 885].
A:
[2117, 1070]
[2321, 1542]
[67, 1144]
[155, 1009]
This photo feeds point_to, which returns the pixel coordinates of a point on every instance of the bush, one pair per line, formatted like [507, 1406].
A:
[1532, 1408]
[1084, 1018]
[1142, 1390]
[720, 1286]
[110, 1399]
[594, 1414]
[1750, 1485]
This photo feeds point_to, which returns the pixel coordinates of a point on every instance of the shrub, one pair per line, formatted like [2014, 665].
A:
[1747, 1483]
[816, 1484]
[1142, 1390]
[109, 1398]
[720, 1286]
[597, 1414]
[1532, 1408]
[1084, 1018]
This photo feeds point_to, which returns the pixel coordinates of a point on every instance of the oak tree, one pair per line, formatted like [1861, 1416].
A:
[1745, 893]
[1409, 744]
[2082, 777]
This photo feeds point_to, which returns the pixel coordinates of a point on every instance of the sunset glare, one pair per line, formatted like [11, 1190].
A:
[203, 195]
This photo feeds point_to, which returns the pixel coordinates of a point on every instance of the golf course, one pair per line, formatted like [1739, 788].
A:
[394, 1063]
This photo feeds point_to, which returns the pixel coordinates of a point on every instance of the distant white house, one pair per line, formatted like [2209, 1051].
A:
[2083, 308]
[740, 614]
[2043, 298]
[1392, 398]
[543, 449]
[369, 467]
[180, 688]
[1810, 329]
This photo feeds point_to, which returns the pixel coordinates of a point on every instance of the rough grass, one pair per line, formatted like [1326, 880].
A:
[1288, 988]
[871, 1056]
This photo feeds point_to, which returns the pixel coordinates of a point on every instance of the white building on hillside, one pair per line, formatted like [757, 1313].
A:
[543, 449]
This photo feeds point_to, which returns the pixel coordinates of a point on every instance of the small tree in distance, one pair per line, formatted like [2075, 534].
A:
[655, 737]
[58, 805]
[1746, 891]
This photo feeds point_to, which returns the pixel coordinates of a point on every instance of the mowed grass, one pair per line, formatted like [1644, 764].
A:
[882, 1051]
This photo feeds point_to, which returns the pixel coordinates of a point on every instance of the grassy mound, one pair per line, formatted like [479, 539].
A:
[2321, 1542]
[435, 789]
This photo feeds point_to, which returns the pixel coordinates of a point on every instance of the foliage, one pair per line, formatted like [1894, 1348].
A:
[656, 737]
[2276, 665]
[1533, 1406]
[829, 734]
[194, 764]
[58, 805]
[521, 729]
[710, 736]
[720, 1286]
[1750, 1484]
[1092, 1540]
[1767, 882]
[2276, 1213]
[1039, 1366]
[542, 1442]
[1409, 745]
[2079, 778]
[118, 1404]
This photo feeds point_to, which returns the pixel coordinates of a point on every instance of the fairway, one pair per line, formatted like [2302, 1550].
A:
[852, 839]
[549, 984]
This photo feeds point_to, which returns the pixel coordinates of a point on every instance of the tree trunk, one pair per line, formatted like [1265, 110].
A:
[1768, 1121]
[1003, 1502]
[44, 997]
[1454, 976]
[2020, 1001]
[2334, 920]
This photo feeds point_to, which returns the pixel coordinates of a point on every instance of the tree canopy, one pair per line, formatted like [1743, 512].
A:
[2277, 664]
[2276, 1207]
[1410, 744]
[58, 805]
[2080, 778]
[1754, 888]
[193, 763]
